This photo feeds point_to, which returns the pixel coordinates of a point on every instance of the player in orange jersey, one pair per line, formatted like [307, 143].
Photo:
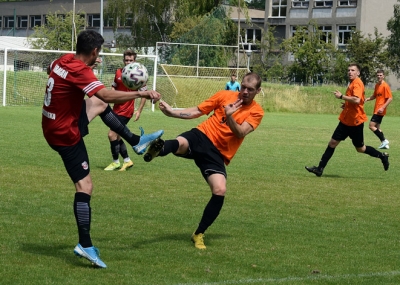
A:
[351, 123]
[383, 97]
[215, 141]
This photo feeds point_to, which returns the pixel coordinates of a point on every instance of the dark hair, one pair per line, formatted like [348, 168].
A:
[380, 71]
[254, 76]
[130, 52]
[87, 41]
[356, 65]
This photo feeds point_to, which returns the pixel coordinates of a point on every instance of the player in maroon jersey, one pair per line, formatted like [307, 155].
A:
[124, 112]
[65, 120]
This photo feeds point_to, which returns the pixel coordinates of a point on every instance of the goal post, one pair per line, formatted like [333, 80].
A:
[24, 73]
[194, 72]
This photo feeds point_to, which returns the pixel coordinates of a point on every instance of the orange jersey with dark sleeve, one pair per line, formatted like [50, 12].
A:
[354, 114]
[382, 92]
[216, 127]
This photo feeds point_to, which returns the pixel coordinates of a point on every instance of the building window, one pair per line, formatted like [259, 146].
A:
[279, 8]
[128, 20]
[35, 21]
[9, 22]
[253, 35]
[108, 22]
[1, 21]
[300, 3]
[22, 21]
[294, 29]
[347, 3]
[326, 33]
[94, 20]
[323, 3]
[344, 35]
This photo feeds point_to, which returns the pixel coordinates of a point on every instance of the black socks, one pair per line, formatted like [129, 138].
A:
[211, 212]
[82, 213]
[109, 118]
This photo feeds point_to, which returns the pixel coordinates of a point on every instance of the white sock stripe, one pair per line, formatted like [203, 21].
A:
[82, 210]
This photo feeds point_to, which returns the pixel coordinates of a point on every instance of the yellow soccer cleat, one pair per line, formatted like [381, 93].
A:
[126, 165]
[198, 241]
[154, 149]
[113, 166]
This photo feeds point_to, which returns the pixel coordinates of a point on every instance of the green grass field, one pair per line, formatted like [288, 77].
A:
[279, 225]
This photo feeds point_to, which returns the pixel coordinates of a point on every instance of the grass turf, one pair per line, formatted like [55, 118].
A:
[279, 225]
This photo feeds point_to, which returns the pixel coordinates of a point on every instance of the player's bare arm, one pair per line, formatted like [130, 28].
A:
[188, 113]
[140, 109]
[370, 98]
[242, 130]
[384, 106]
[351, 99]
[115, 96]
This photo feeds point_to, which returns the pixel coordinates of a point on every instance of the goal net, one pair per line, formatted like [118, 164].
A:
[193, 85]
[23, 73]
[192, 73]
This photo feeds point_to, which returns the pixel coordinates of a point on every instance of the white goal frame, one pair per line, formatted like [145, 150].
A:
[10, 68]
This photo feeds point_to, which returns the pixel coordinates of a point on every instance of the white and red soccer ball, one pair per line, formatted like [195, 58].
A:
[134, 75]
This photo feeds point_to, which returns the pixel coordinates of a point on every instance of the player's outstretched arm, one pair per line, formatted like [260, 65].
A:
[188, 113]
[115, 96]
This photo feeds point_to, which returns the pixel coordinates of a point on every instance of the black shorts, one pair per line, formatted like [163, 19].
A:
[376, 118]
[123, 120]
[356, 133]
[76, 160]
[83, 121]
[206, 156]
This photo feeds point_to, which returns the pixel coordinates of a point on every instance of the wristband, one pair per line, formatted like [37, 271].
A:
[341, 96]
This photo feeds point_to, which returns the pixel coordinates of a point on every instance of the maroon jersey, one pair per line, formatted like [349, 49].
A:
[123, 109]
[69, 80]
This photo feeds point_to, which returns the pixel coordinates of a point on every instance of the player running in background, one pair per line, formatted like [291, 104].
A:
[65, 120]
[383, 97]
[124, 112]
[351, 123]
[215, 141]
[232, 85]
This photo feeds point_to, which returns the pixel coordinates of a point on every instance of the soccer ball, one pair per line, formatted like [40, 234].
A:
[134, 75]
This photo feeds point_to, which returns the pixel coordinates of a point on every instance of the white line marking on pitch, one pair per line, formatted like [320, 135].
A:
[287, 279]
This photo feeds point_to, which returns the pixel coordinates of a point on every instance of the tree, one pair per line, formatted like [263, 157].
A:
[369, 52]
[256, 4]
[268, 63]
[393, 40]
[214, 28]
[311, 54]
[153, 20]
[56, 34]
[337, 69]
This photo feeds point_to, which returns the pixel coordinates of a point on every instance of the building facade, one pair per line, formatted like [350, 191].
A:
[336, 17]
[19, 18]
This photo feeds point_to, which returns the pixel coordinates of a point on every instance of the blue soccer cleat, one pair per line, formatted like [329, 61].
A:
[146, 140]
[90, 253]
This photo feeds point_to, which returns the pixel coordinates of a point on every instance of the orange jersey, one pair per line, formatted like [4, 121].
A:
[382, 93]
[354, 114]
[216, 128]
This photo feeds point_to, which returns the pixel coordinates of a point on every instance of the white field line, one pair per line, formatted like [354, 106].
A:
[299, 279]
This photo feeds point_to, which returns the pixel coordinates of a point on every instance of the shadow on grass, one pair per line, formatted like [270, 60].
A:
[181, 238]
[59, 251]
